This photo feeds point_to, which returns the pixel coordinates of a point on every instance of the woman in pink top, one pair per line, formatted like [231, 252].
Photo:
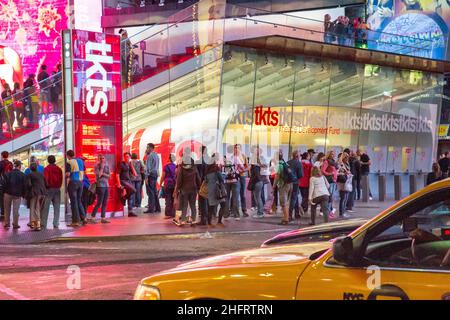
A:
[304, 181]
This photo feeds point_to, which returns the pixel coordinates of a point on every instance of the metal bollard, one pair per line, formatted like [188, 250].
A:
[397, 187]
[365, 188]
[412, 184]
[381, 188]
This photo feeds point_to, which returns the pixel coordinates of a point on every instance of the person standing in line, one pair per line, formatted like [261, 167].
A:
[344, 183]
[365, 168]
[297, 169]
[311, 154]
[152, 169]
[75, 175]
[214, 179]
[318, 194]
[8, 105]
[14, 184]
[435, 174]
[187, 185]
[355, 168]
[329, 170]
[320, 159]
[126, 171]
[35, 182]
[5, 167]
[304, 181]
[444, 164]
[240, 162]
[168, 181]
[232, 185]
[284, 186]
[53, 179]
[328, 27]
[202, 201]
[256, 182]
[273, 173]
[137, 180]
[102, 175]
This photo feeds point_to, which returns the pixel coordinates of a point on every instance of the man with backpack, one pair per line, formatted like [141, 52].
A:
[283, 180]
[297, 169]
[5, 167]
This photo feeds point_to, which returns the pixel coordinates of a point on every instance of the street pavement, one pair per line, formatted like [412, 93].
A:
[110, 260]
[147, 226]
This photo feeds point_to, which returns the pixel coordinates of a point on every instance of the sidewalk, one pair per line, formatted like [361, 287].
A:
[155, 226]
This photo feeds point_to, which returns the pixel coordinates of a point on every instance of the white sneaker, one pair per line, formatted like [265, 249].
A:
[258, 216]
[350, 211]
[237, 218]
[370, 198]
[346, 215]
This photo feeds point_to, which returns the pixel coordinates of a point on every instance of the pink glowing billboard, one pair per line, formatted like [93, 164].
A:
[32, 28]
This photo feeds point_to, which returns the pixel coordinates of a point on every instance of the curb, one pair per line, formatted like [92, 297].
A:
[142, 237]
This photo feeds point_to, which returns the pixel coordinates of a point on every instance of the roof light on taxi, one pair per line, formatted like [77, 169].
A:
[146, 292]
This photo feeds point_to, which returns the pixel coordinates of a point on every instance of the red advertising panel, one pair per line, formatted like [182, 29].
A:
[97, 104]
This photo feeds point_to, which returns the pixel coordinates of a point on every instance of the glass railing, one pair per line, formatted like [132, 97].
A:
[194, 30]
[31, 106]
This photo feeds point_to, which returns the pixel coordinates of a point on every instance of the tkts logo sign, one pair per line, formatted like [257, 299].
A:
[97, 83]
[266, 117]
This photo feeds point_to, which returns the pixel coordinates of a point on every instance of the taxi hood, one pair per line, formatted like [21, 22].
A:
[276, 255]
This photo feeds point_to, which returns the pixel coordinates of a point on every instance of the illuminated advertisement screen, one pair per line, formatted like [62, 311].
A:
[97, 104]
[425, 22]
[30, 35]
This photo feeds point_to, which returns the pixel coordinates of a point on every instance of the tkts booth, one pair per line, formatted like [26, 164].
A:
[93, 102]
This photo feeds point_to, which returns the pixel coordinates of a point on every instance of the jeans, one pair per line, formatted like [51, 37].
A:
[305, 193]
[358, 187]
[188, 198]
[257, 196]
[152, 194]
[294, 200]
[137, 195]
[75, 190]
[242, 186]
[233, 193]
[330, 199]
[13, 201]
[343, 198]
[2, 203]
[54, 198]
[169, 209]
[102, 200]
[323, 202]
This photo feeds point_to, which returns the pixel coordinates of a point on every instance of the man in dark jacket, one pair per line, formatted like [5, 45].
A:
[14, 191]
[297, 169]
[44, 86]
[355, 170]
[5, 167]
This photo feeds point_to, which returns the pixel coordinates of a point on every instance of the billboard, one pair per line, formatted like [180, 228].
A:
[93, 112]
[423, 22]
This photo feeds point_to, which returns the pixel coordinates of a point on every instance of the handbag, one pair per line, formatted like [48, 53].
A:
[93, 188]
[203, 192]
[342, 178]
[221, 192]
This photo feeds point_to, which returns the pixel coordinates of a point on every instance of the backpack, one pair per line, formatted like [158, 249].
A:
[288, 175]
[5, 167]
[169, 179]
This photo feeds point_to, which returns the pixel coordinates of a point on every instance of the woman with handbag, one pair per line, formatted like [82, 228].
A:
[102, 174]
[329, 170]
[318, 194]
[343, 182]
[168, 180]
[215, 190]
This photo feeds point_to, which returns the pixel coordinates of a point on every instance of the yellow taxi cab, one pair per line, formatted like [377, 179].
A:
[403, 253]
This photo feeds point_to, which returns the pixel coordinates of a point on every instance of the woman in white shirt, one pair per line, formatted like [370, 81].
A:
[318, 194]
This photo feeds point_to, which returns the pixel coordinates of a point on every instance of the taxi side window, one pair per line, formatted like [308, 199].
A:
[421, 240]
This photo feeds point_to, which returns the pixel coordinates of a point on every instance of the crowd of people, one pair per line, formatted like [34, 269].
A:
[345, 32]
[215, 187]
[22, 105]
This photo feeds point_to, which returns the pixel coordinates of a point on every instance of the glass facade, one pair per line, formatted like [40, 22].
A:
[274, 101]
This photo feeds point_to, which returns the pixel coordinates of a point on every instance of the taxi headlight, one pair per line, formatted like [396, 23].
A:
[146, 292]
